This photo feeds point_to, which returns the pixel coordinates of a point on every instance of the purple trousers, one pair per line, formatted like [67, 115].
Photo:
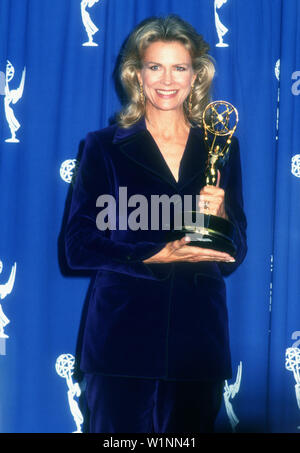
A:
[135, 405]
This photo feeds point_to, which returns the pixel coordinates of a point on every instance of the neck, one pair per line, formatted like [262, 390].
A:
[166, 123]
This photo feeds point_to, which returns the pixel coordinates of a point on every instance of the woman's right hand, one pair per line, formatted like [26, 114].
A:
[179, 251]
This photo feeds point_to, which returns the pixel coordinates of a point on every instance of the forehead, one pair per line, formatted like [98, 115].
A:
[167, 52]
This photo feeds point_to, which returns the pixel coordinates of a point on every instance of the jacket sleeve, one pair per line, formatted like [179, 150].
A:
[234, 206]
[87, 247]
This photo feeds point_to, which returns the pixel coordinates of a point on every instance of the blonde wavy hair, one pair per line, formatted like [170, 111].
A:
[168, 29]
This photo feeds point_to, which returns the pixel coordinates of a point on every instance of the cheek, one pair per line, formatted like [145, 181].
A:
[149, 78]
[185, 80]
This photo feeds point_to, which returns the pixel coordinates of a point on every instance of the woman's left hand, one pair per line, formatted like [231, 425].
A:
[212, 200]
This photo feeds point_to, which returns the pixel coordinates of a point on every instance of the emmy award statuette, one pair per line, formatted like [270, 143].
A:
[220, 119]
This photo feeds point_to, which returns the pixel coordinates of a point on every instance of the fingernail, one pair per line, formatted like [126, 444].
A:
[187, 238]
[231, 260]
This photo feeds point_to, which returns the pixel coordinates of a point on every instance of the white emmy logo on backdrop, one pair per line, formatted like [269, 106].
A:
[221, 29]
[5, 289]
[11, 96]
[68, 170]
[277, 75]
[89, 25]
[292, 363]
[295, 166]
[65, 368]
[277, 69]
[229, 393]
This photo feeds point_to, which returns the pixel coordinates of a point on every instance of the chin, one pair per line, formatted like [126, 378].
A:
[168, 107]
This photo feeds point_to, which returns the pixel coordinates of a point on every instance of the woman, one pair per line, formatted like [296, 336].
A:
[156, 348]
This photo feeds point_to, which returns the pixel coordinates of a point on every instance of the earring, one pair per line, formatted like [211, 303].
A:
[190, 99]
[142, 96]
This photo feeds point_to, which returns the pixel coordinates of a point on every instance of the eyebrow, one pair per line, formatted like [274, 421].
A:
[175, 64]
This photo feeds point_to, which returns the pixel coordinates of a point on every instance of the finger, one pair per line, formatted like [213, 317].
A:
[198, 258]
[211, 190]
[176, 246]
[215, 259]
[218, 178]
[217, 256]
[179, 243]
[210, 253]
[216, 199]
[210, 204]
[197, 251]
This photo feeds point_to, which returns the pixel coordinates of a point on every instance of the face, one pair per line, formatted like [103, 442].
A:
[167, 75]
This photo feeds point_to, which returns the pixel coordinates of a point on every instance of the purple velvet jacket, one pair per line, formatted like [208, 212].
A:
[157, 320]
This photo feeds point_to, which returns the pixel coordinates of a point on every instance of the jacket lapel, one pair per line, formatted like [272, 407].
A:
[194, 159]
[138, 144]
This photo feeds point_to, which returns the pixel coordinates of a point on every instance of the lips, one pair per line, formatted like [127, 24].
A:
[166, 94]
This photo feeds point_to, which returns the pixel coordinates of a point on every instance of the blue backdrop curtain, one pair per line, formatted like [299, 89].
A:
[68, 89]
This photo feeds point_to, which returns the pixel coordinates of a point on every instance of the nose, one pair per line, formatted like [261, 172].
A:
[167, 77]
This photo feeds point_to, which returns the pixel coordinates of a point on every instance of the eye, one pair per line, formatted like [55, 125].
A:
[180, 68]
[154, 67]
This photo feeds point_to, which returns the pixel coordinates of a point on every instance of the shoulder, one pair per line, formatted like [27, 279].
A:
[115, 134]
[97, 146]
[103, 136]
